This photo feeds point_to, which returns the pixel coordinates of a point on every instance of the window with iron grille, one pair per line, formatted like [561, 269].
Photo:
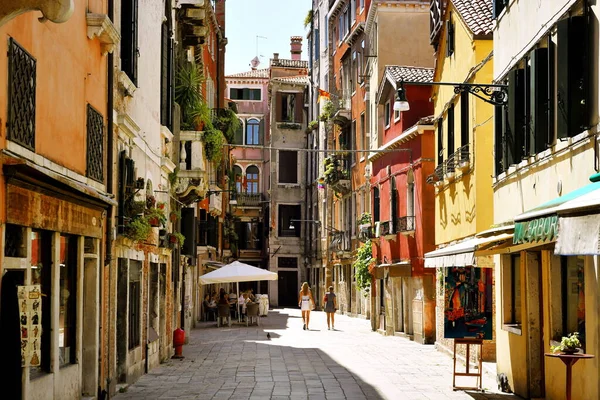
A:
[21, 96]
[95, 144]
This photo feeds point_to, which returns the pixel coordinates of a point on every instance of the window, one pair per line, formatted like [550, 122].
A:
[21, 96]
[135, 270]
[352, 10]
[440, 142]
[237, 177]
[253, 131]
[359, 64]
[572, 296]
[397, 115]
[351, 144]
[376, 204]
[450, 133]
[166, 70]
[249, 235]
[95, 144]
[129, 38]
[287, 111]
[354, 72]
[362, 4]
[245, 94]
[498, 7]
[393, 200]
[449, 36]
[512, 291]
[238, 137]
[287, 213]
[252, 179]
[41, 274]
[387, 114]
[287, 262]
[288, 166]
[363, 133]
[67, 320]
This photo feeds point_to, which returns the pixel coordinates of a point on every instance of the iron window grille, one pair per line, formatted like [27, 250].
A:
[405, 224]
[21, 96]
[95, 144]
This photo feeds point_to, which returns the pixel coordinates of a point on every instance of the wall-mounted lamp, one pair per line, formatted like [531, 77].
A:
[314, 221]
[401, 104]
[493, 94]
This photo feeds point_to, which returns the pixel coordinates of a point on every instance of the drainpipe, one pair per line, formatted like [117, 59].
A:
[109, 185]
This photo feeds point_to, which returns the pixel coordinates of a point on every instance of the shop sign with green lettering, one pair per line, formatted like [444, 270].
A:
[543, 230]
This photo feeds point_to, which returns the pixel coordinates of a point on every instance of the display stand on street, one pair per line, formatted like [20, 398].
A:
[569, 360]
[478, 374]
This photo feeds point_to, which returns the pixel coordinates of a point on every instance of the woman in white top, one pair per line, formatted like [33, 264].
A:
[306, 303]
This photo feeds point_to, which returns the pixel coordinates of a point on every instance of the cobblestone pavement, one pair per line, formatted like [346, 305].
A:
[349, 363]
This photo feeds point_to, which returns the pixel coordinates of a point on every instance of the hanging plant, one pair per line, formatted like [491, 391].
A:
[156, 217]
[175, 216]
[364, 260]
[177, 237]
[138, 229]
[227, 122]
[213, 144]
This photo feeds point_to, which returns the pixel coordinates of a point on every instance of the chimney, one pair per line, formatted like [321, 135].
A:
[296, 47]
[275, 56]
[220, 14]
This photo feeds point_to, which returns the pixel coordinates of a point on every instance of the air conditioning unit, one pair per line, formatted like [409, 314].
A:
[377, 229]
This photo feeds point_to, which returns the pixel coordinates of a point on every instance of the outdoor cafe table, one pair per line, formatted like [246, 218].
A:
[569, 360]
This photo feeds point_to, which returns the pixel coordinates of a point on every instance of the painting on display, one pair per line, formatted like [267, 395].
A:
[30, 319]
[468, 303]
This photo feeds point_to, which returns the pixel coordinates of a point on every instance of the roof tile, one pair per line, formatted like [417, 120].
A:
[255, 73]
[415, 74]
[477, 14]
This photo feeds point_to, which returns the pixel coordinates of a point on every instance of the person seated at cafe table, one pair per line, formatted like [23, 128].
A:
[223, 297]
[210, 307]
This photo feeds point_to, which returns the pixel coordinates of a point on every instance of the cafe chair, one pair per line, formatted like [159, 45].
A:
[252, 314]
[223, 313]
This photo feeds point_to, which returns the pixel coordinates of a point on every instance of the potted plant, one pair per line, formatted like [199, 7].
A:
[177, 237]
[161, 205]
[187, 94]
[155, 216]
[569, 344]
[150, 201]
[175, 216]
[138, 229]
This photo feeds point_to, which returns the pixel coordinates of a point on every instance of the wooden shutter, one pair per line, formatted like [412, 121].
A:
[278, 106]
[450, 137]
[188, 229]
[440, 142]
[129, 38]
[449, 37]
[540, 101]
[464, 119]
[513, 134]
[238, 137]
[261, 131]
[298, 107]
[498, 7]
[572, 76]
[164, 74]
[499, 139]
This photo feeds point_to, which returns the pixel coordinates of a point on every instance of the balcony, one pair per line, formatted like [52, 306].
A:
[193, 19]
[462, 158]
[450, 168]
[438, 175]
[365, 232]
[248, 199]
[385, 229]
[343, 115]
[192, 179]
[337, 174]
[405, 225]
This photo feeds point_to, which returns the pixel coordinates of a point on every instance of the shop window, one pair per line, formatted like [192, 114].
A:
[41, 274]
[511, 279]
[287, 228]
[67, 320]
[288, 166]
[572, 297]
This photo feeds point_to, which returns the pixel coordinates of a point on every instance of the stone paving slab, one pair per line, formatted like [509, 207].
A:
[352, 362]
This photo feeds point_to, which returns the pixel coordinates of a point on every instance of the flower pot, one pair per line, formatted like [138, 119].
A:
[154, 222]
[569, 351]
[173, 217]
[173, 239]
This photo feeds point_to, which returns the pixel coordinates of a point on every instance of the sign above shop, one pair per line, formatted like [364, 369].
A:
[542, 230]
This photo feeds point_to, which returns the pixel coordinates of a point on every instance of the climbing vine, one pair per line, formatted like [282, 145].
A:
[364, 259]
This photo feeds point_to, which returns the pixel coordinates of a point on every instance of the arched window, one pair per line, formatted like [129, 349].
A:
[252, 131]
[237, 175]
[252, 179]
[238, 137]
[410, 195]
[375, 204]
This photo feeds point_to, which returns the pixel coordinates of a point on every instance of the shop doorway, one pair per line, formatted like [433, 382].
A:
[535, 320]
[10, 335]
[288, 288]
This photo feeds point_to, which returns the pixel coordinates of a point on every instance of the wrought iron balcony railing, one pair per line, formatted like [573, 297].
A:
[248, 199]
[405, 224]
[462, 157]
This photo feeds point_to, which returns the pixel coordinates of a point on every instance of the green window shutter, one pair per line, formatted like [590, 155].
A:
[539, 104]
[516, 110]
[238, 137]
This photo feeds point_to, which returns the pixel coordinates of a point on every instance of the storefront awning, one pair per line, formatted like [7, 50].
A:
[462, 254]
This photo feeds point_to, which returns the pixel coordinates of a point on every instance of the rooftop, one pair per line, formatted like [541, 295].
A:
[296, 80]
[255, 73]
[407, 73]
[282, 62]
[477, 14]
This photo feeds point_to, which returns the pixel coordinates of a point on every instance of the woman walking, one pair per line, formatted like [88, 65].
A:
[306, 303]
[330, 307]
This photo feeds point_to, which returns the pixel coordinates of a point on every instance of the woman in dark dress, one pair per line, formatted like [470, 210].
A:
[330, 302]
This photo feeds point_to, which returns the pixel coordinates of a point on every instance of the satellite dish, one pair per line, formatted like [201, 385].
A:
[255, 62]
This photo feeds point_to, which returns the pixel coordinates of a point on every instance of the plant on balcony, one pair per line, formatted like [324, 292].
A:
[289, 125]
[312, 126]
[327, 111]
[187, 94]
[155, 216]
[175, 216]
[227, 121]
[308, 18]
[177, 237]
[213, 144]
[365, 218]
[362, 263]
[138, 229]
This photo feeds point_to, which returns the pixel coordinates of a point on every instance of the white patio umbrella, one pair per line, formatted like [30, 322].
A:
[237, 272]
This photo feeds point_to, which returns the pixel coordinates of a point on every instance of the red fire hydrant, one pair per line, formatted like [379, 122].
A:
[178, 342]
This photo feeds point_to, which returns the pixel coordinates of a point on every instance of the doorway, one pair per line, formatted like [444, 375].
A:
[10, 335]
[288, 288]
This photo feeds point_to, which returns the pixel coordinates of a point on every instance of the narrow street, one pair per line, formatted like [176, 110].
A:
[349, 363]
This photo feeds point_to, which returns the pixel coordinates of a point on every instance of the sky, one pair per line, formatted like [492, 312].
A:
[275, 20]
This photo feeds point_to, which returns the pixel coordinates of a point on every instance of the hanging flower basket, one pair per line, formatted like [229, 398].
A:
[154, 222]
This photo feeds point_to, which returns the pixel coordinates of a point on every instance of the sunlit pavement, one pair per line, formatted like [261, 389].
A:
[351, 362]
